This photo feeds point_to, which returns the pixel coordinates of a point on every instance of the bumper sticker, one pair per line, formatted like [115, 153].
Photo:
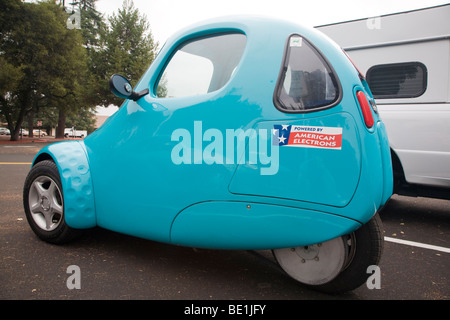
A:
[307, 136]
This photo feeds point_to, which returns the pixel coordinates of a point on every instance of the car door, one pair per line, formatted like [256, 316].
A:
[151, 159]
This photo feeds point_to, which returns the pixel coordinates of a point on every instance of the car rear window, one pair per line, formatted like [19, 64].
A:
[306, 81]
[397, 80]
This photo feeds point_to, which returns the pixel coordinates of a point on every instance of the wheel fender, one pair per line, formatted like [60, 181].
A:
[73, 165]
[386, 161]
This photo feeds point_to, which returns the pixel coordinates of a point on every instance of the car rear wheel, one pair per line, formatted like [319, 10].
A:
[338, 265]
[44, 204]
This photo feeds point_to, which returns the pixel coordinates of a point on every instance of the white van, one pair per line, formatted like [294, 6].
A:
[406, 60]
[72, 133]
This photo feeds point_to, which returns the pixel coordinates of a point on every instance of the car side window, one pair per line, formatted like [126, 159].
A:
[397, 80]
[306, 81]
[201, 66]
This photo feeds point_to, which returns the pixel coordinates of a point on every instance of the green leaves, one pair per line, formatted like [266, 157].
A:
[128, 48]
[44, 60]
[48, 69]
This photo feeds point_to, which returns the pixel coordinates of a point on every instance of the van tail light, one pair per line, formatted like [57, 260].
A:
[365, 108]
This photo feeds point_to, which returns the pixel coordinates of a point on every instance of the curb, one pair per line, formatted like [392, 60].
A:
[24, 141]
[36, 140]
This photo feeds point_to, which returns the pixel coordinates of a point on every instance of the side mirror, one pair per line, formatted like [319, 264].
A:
[122, 88]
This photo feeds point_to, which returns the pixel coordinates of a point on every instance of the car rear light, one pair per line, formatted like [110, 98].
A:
[365, 108]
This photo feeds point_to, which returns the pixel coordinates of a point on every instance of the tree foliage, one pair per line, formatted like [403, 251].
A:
[60, 74]
[128, 48]
[44, 59]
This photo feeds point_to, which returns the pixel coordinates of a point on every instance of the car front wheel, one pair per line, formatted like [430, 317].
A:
[338, 265]
[44, 204]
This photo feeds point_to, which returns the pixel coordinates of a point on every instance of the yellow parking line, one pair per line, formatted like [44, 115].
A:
[23, 163]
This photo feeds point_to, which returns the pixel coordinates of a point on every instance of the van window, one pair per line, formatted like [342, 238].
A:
[397, 80]
[201, 66]
[306, 82]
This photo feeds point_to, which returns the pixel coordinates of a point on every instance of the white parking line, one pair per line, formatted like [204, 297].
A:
[418, 244]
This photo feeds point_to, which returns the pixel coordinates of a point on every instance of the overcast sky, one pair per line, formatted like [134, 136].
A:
[168, 16]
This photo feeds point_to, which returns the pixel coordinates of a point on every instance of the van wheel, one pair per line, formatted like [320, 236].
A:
[338, 265]
[44, 204]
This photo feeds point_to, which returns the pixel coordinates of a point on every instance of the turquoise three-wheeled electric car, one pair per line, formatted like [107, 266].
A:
[245, 133]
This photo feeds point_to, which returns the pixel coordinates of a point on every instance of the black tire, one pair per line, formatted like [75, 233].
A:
[365, 248]
[44, 204]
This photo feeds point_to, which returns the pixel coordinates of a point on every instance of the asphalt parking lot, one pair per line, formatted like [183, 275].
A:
[112, 266]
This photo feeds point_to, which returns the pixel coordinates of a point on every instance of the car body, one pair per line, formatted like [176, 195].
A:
[4, 132]
[38, 132]
[249, 151]
[73, 133]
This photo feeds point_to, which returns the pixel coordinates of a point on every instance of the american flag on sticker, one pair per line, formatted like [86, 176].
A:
[307, 136]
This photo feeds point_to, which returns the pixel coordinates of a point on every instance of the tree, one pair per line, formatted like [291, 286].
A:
[10, 78]
[55, 72]
[123, 45]
[43, 58]
[129, 48]
[11, 74]
[93, 29]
